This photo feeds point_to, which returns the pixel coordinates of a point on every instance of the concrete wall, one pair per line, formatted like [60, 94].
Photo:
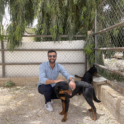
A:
[25, 81]
[112, 100]
[41, 56]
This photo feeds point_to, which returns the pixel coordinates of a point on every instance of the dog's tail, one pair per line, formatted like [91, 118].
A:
[78, 76]
[94, 97]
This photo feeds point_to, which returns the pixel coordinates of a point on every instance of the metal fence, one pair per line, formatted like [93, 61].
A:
[109, 40]
[25, 60]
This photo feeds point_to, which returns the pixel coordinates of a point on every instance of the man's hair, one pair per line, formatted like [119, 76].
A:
[50, 51]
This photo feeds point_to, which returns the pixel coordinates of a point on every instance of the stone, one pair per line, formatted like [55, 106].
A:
[99, 80]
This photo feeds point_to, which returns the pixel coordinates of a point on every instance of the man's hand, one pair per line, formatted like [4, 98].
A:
[72, 84]
[56, 81]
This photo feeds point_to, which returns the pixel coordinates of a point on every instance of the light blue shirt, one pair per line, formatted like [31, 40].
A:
[46, 72]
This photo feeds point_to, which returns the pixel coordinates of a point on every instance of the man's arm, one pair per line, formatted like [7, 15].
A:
[72, 83]
[68, 77]
[53, 81]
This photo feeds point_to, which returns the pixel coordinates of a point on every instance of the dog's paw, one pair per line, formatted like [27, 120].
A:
[90, 110]
[61, 113]
[94, 118]
[64, 119]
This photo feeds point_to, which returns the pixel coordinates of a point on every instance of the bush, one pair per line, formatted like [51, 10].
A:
[9, 84]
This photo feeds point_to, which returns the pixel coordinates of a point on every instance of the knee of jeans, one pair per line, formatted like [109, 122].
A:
[48, 89]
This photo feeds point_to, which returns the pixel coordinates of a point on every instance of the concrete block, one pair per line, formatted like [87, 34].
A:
[122, 108]
[19, 81]
[31, 81]
[112, 100]
[99, 80]
[3, 81]
[103, 95]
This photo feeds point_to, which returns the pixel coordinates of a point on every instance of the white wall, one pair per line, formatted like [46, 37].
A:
[0, 62]
[0, 71]
[1, 57]
[52, 45]
[41, 56]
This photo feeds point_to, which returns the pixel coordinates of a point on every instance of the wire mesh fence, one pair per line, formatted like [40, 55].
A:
[109, 41]
[25, 60]
[112, 38]
[109, 12]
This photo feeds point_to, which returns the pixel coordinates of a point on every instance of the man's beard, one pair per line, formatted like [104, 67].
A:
[52, 61]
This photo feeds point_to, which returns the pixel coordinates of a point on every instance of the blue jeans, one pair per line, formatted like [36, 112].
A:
[48, 92]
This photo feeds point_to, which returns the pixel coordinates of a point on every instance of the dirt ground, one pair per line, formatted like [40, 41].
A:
[24, 105]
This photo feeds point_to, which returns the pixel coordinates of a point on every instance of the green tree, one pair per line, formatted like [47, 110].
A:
[55, 17]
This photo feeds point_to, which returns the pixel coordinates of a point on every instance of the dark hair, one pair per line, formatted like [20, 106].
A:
[50, 51]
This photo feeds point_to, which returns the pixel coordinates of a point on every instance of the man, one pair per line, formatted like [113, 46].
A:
[48, 73]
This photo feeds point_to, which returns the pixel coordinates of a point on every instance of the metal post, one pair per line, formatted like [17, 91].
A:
[95, 36]
[3, 59]
[85, 63]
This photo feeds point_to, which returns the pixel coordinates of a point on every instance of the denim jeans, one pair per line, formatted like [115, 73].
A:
[48, 92]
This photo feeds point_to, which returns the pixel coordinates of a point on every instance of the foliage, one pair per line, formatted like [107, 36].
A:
[55, 17]
[109, 75]
[2, 9]
[89, 49]
[9, 84]
[1, 33]
[22, 14]
[65, 18]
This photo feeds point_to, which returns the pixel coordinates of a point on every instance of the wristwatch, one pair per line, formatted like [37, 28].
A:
[72, 79]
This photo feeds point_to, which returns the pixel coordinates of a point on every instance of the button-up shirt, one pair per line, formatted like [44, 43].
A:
[46, 72]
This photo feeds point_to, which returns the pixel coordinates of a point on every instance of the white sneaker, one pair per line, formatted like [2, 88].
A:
[51, 101]
[48, 106]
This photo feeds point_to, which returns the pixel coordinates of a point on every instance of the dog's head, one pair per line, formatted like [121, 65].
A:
[93, 70]
[62, 88]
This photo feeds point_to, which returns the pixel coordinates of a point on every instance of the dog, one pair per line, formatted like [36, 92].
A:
[64, 92]
[88, 76]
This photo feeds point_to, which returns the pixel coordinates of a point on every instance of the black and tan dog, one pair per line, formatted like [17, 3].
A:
[64, 92]
[88, 76]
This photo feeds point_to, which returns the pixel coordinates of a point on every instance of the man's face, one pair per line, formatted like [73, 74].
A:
[52, 57]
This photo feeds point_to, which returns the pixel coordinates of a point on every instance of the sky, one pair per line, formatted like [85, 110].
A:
[6, 19]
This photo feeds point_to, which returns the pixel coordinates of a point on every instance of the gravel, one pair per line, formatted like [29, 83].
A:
[24, 105]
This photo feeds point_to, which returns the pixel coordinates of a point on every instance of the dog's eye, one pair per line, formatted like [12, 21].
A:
[61, 89]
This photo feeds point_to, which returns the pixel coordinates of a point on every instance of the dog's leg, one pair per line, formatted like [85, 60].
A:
[90, 102]
[90, 110]
[62, 98]
[83, 95]
[63, 108]
[94, 115]
[66, 109]
[91, 107]
[65, 117]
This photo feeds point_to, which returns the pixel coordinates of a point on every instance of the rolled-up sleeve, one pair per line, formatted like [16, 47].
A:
[42, 75]
[64, 72]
